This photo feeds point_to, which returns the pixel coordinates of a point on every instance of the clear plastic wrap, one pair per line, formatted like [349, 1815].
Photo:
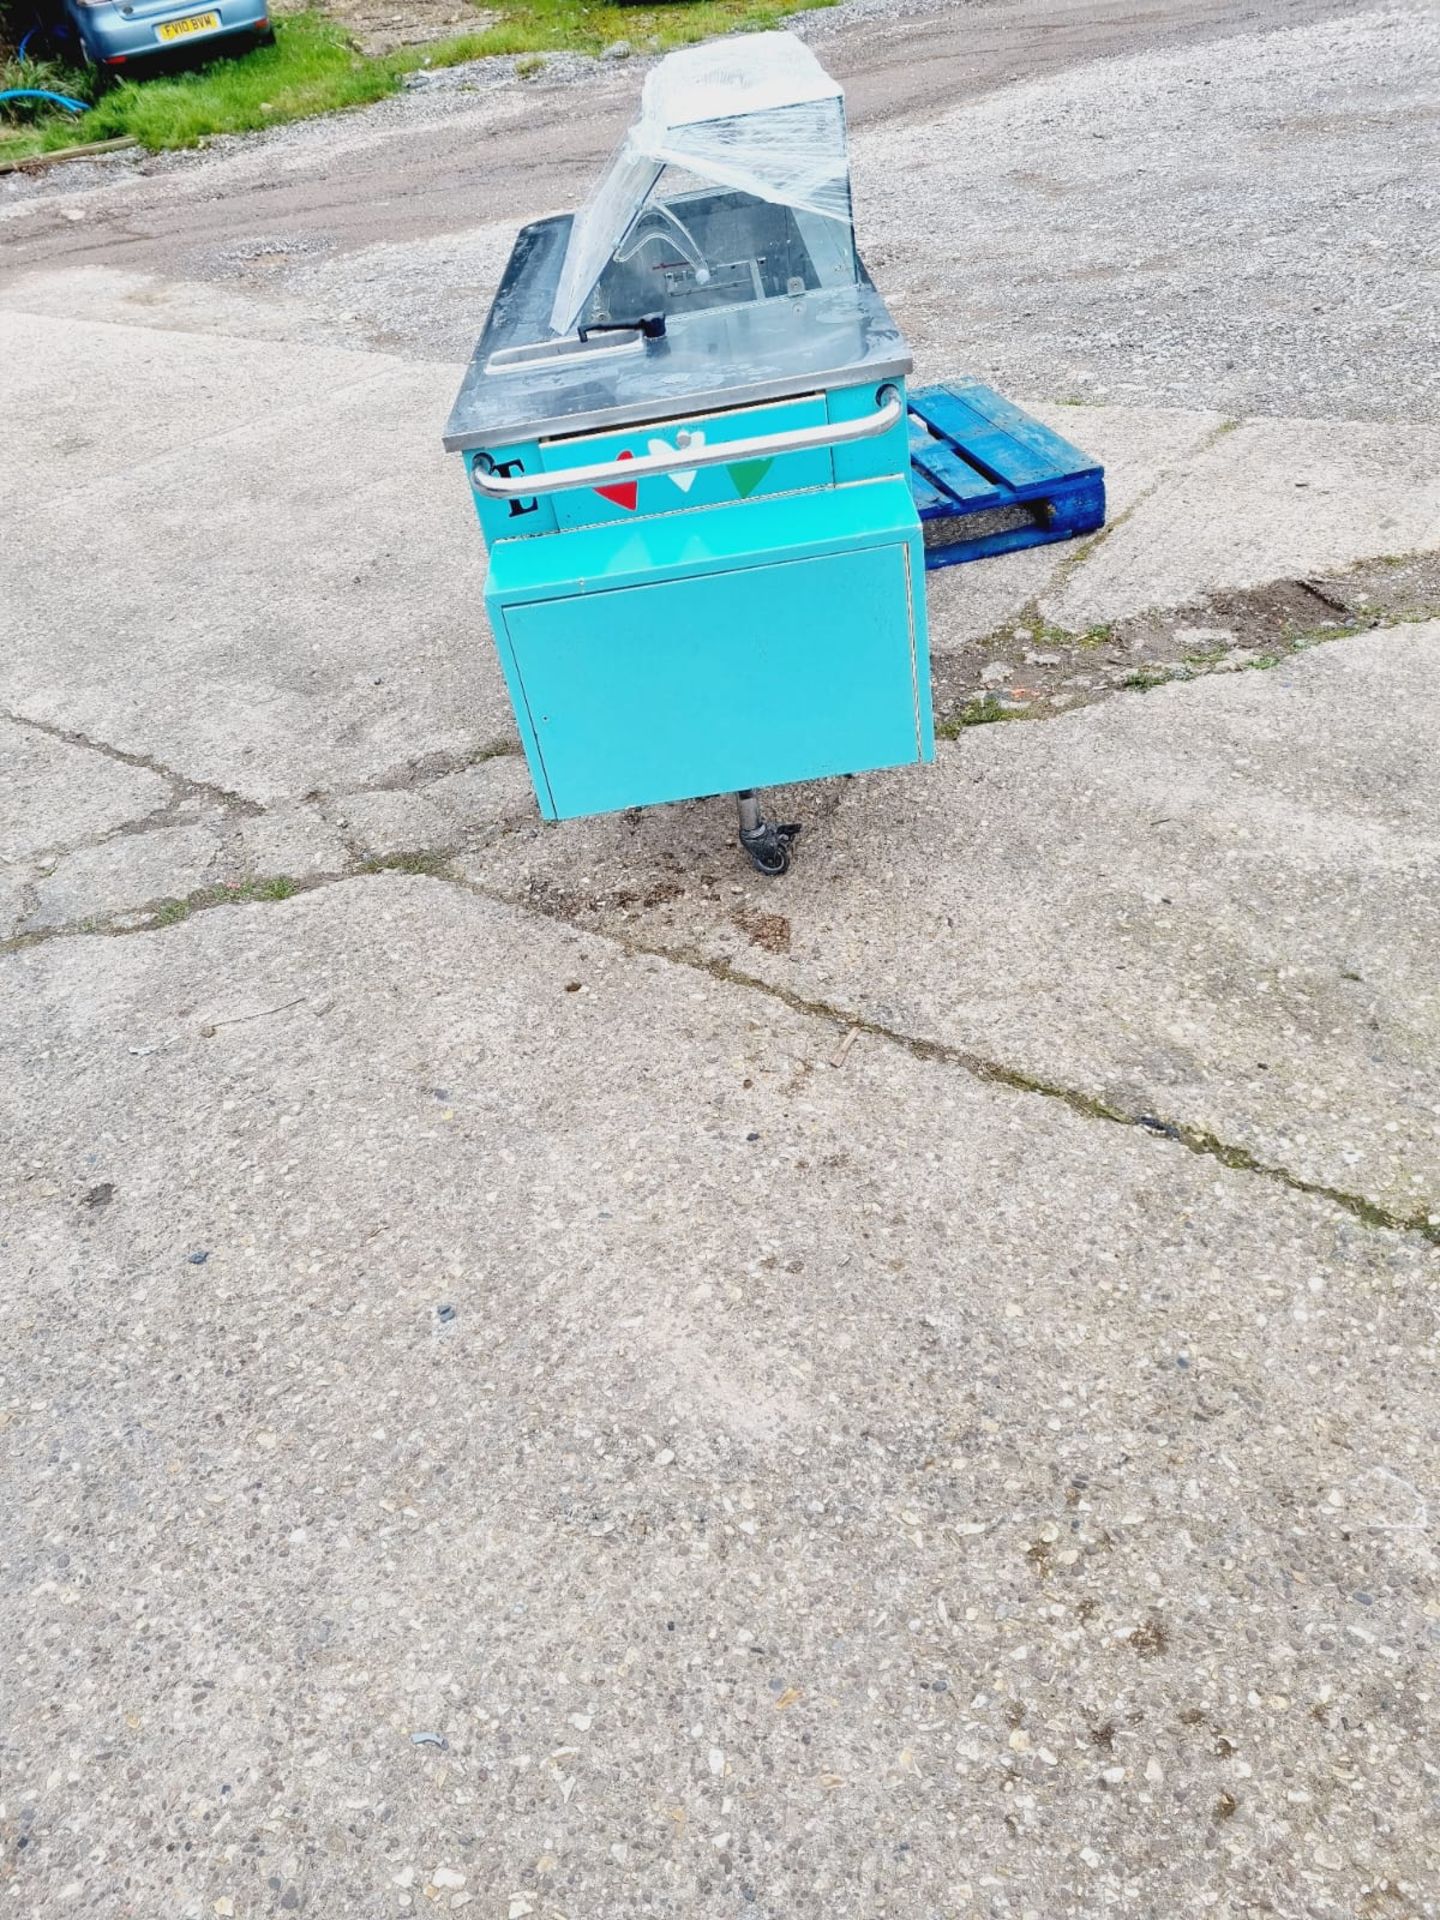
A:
[757, 114]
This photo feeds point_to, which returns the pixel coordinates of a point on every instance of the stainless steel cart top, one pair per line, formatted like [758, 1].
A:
[523, 382]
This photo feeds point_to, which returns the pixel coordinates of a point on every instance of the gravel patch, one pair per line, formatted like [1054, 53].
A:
[1242, 227]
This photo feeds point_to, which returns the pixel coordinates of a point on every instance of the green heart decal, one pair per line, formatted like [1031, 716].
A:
[747, 475]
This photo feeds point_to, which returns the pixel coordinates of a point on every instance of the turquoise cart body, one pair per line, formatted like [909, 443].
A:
[685, 431]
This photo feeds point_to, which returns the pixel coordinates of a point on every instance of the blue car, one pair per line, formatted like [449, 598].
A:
[113, 33]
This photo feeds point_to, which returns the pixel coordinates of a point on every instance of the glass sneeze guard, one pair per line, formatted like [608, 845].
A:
[733, 186]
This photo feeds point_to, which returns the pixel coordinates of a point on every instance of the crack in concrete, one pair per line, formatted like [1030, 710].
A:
[435, 865]
[1196, 1140]
[1073, 561]
[168, 910]
[413, 776]
[1261, 626]
[185, 787]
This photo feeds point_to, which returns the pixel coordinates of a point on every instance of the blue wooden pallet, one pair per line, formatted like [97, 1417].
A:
[972, 452]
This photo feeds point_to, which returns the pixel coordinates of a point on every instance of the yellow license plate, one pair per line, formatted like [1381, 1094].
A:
[196, 23]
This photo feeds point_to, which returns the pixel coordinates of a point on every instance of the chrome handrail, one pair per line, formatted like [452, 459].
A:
[686, 459]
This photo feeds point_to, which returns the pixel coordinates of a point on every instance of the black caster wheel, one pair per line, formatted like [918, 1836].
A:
[771, 863]
[768, 848]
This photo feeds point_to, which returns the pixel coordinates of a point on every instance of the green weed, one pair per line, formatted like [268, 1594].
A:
[983, 711]
[280, 887]
[170, 913]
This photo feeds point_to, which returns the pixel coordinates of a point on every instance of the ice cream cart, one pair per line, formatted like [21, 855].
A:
[685, 431]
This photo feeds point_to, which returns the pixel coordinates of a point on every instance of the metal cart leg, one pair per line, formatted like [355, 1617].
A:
[767, 844]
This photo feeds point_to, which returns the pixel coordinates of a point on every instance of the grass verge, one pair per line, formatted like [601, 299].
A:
[313, 68]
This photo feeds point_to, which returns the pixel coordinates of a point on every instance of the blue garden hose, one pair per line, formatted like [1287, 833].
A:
[41, 93]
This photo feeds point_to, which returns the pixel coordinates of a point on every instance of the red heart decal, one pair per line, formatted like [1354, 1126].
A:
[625, 495]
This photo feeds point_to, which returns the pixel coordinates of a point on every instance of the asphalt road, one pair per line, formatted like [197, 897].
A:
[428, 164]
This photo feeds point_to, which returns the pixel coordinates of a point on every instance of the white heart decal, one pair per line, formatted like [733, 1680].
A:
[682, 480]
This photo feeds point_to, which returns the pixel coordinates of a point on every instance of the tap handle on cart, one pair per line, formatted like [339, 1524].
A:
[650, 325]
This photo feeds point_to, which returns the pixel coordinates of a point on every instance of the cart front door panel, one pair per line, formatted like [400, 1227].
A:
[757, 677]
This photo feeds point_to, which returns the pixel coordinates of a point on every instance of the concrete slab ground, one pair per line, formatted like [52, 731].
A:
[93, 405]
[489, 1414]
[268, 597]
[127, 871]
